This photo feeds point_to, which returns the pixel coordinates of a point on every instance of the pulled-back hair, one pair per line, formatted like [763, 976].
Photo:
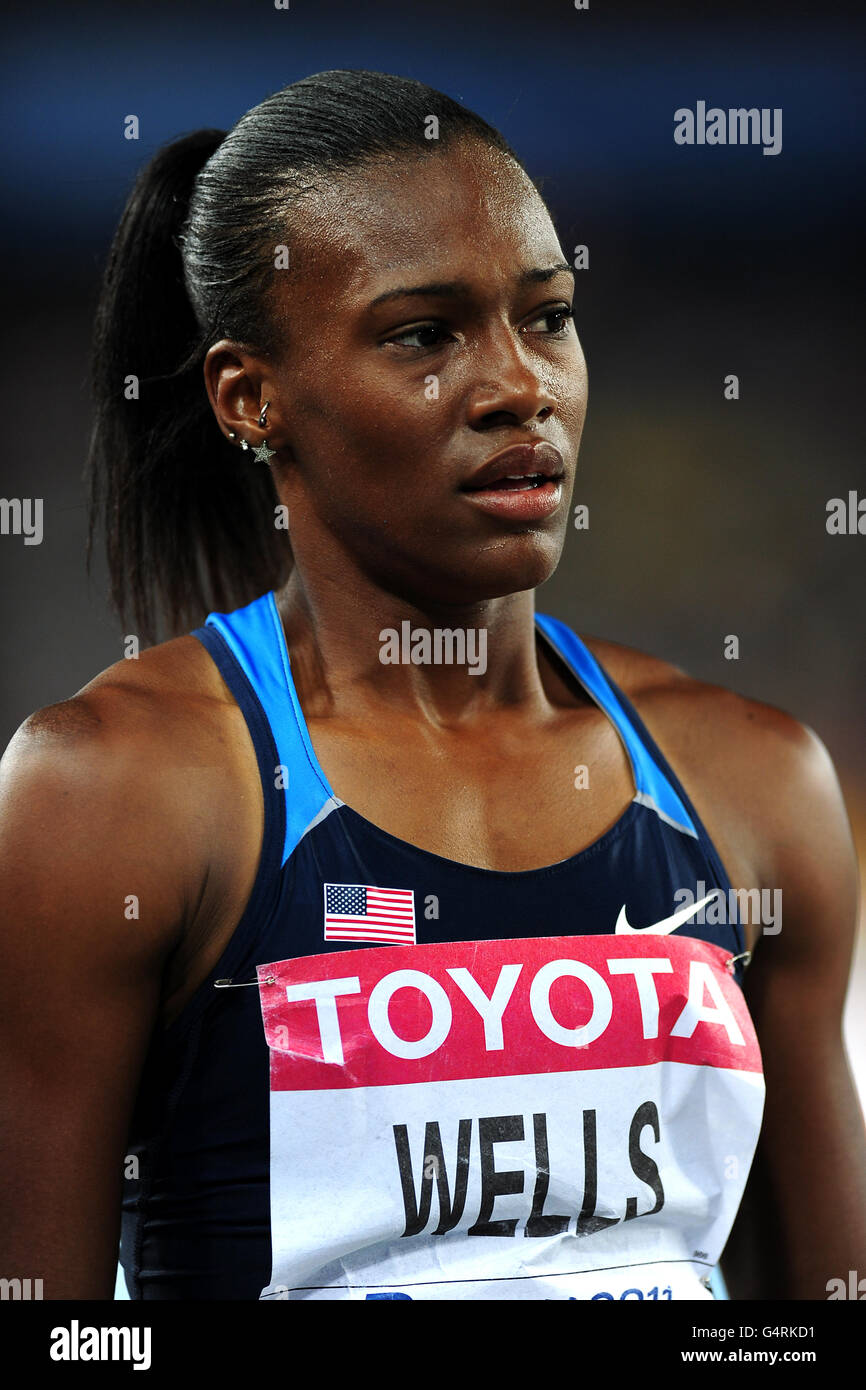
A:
[189, 523]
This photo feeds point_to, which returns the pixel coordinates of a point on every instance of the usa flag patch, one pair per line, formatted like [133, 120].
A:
[360, 912]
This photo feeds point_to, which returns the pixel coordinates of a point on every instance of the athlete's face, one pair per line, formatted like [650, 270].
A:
[425, 328]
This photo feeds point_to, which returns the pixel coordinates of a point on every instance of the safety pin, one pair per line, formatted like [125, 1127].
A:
[241, 984]
[744, 956]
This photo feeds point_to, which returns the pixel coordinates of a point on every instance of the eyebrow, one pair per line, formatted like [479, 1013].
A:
[536, 276]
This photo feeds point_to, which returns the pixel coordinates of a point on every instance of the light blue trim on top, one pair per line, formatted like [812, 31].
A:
[653, 789]
[255, 636]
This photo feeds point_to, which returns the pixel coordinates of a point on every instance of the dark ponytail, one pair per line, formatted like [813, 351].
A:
[189, 521]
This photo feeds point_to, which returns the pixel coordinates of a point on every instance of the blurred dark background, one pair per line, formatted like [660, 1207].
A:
[707, 516]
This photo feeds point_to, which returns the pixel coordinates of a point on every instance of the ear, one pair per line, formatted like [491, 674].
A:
[238, 384]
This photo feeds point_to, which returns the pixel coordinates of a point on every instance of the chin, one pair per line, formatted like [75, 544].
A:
[513, 577]
[471, 573]
[508, 566]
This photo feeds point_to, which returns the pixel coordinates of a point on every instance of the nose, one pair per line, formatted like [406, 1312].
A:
[516, 393]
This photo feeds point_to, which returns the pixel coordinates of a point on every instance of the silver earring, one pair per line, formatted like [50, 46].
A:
[264, 454]
[262, 421]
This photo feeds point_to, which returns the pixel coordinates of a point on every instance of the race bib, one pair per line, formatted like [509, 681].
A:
[557, 1117]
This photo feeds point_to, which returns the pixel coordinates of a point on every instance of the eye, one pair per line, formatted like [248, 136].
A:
[429, 334]
[564, 313]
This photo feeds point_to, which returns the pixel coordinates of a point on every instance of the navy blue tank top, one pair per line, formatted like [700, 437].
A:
[196, 1217]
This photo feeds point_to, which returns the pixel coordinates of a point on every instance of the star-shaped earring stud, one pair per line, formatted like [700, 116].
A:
[264, 454]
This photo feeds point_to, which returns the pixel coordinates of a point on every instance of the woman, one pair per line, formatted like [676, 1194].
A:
[351, 317]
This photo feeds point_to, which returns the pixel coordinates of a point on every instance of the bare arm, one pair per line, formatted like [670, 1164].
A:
[767, 792]
[803, 1218]
[88, 838]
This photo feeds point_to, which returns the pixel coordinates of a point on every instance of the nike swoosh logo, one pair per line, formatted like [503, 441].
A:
[662, 928]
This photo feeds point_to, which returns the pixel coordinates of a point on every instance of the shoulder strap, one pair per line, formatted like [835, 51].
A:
[656, 788]
[249, 649]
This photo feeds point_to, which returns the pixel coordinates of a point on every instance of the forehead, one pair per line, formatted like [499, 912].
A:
[466, 212]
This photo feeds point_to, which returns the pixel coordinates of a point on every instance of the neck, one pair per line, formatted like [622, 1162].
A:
[446, 664]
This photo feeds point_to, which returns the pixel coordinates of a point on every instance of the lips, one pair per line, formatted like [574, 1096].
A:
[523, 466]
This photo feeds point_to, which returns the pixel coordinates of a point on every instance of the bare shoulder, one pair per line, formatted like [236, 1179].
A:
[135, 769]
[132, 709]
[756, 772]
[691, 710]
[694, 708]
[144, 782]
